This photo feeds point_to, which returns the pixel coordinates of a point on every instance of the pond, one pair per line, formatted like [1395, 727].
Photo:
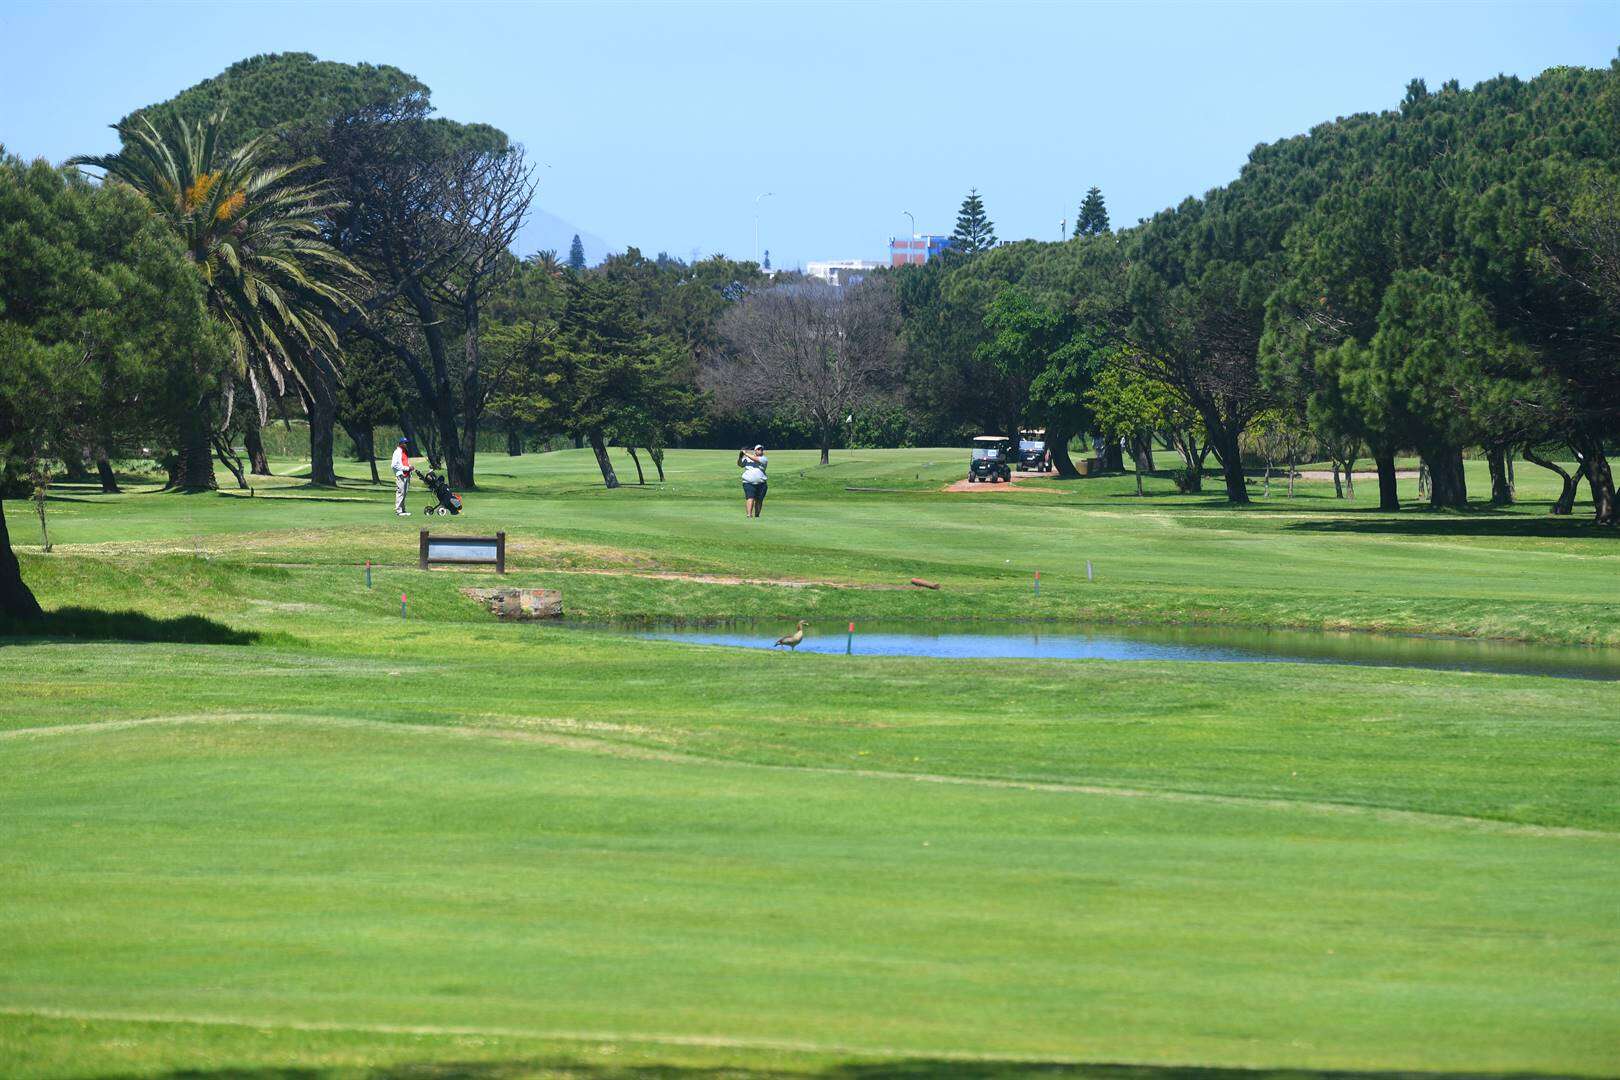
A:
[1069, 641]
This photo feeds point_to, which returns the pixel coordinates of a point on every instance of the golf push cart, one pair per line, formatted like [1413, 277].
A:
[1032, 453]
[989, 464]
[448, 502]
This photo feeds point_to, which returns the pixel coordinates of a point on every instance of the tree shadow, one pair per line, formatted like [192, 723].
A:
[1462, 524]
[307, 492]
[93, 624]
[904, 1069]
[58, 495]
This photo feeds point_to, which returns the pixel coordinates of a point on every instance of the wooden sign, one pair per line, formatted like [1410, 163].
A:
[463, 550]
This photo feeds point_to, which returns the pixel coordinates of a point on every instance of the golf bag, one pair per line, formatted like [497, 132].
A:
[449, 502]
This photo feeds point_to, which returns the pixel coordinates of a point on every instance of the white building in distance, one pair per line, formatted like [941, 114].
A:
[841, 271]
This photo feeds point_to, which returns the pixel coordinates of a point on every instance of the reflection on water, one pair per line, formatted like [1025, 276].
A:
[1060, 641]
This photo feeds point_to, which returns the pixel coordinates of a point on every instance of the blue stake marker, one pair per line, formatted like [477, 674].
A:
[368, 573]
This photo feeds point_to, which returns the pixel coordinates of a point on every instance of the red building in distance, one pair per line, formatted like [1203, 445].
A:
[917, 249]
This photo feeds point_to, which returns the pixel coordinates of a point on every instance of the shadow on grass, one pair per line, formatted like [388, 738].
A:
[90, 624]
[908, 1069]
[1462, 524]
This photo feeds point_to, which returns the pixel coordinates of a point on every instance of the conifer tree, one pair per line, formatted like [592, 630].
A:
[975, 232]
[576, 254]
[766, 265]
[1093, 217]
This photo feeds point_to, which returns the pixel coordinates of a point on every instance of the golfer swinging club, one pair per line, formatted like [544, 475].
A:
[753, 479]
[402, 477]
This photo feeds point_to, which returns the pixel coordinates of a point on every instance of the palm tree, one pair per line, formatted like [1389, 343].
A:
[254, 233]
[546, 262]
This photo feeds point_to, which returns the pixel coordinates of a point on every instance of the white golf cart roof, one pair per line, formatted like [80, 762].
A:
[989, 438]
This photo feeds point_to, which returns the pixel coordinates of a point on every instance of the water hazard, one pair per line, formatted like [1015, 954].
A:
[1059, 641]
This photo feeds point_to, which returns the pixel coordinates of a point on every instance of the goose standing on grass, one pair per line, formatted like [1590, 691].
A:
[793, 639]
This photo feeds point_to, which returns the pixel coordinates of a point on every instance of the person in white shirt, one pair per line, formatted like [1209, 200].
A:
[402, 477]
[753, 479]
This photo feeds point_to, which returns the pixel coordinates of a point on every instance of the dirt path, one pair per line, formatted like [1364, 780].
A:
[1017, 479]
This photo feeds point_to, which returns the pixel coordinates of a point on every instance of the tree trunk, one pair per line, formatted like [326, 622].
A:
[579, 442]
[228, 458]
[826, 443]
[432, 386]
[1142, 453]
[1190, 480]
[1565, 504]
[514, 442]
[364, 437]
[16, 599]
[253, 443]
[104, 470]
[472, 387]
[657, 455]
[407, 427]
[1058, 447]
[194, 458]
[1142, 457]
[1599, 481]
[1389, 494]
[76, 472]
[1225, 444]
[1501, 488]
[1448, 488]
[321, 405]
[641, 479]
[600, 449]
[1113, 456]
[1338, 485]
[40, 473]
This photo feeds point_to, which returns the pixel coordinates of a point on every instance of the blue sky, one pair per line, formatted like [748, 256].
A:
[659, 123]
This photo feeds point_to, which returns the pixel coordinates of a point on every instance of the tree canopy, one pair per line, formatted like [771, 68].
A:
[105, 332]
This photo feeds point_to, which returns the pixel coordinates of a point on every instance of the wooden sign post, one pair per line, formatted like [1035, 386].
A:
[463, 550]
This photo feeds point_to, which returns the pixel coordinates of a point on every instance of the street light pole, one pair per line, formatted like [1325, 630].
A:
[913, 218]
[761, 195]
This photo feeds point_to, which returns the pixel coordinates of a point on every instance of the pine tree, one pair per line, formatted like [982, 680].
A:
[766, 265]
[576, 254]
[975, 232]
[1093, 216]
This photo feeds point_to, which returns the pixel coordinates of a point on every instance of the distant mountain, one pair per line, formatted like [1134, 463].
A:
[544, 230]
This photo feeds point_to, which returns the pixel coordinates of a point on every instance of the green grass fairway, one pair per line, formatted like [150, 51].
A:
[257, 826]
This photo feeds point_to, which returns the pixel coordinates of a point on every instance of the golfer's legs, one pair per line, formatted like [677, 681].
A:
[402, 484]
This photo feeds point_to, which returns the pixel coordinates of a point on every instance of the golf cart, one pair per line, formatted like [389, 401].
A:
[989, 464]
[1032, 453]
